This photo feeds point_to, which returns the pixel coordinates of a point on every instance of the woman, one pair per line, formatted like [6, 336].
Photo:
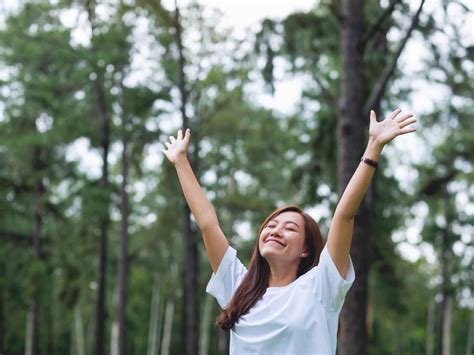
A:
[288, 301]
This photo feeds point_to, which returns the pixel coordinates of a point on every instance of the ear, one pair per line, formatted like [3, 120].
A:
[305, 253]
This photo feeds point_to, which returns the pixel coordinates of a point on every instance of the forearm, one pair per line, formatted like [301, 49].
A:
[342, 225]
[200, 206]
[214, 239]
[359, 183]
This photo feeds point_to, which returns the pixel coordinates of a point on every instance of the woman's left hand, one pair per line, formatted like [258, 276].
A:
[394, 125]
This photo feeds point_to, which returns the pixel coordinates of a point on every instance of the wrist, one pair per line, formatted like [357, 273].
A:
[370, 162]
[373, 150]
[180, 161]
[375, 143]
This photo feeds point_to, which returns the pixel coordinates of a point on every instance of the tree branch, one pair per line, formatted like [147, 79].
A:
[333, 9]
[434, 185]
[328, 96]
[14, 236]
[162, 15]
[379, 87]
[376, 26]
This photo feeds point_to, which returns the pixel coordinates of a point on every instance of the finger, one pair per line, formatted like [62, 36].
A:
[395, 113]
[187, 135]
[407, 130]
[180, 135]
[407, 122]
[168, 144]
[373, 116]
[404, 117]
[172, 139]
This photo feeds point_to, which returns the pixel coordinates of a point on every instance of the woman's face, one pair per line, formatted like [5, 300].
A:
[283, 239]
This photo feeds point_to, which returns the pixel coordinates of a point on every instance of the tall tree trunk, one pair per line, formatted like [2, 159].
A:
[430, 328]
[168, 327]
[191, 253]
[154, 328]
[78, 331]
[222, 342]
[353, 110]
[2, 309]
[351, 129]
[103, 112]
[123, 259]
[470, 336]
[90, 341]
[49, 328]
[31, 339]
[114, 342]
[446, 331]
[205, 329]
[32, 330]
[443, 303]
[102, 247]
[445, 306]
[190, 288]
[38, 195]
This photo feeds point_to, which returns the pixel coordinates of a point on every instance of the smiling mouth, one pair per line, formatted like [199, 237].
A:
[275, 241]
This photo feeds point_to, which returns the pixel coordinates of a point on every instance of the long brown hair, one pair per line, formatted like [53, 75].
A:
[255, 282]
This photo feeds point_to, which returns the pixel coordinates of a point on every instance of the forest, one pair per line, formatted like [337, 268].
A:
[99, 253]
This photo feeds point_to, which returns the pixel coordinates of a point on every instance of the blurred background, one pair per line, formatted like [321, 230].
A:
[99, 254]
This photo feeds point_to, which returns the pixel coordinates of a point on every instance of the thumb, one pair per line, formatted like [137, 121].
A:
[373, 117]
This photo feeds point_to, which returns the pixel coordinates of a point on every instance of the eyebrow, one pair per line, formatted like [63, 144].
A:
[296, 224]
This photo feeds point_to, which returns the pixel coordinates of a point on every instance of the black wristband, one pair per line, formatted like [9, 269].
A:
[370, 162]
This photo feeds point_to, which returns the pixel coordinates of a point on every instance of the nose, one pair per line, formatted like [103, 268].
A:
[276, 231]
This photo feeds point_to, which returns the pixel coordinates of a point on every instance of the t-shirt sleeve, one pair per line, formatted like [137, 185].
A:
[330, 287]
[228, 277]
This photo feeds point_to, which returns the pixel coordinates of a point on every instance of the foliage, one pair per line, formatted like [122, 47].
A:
[250, 159]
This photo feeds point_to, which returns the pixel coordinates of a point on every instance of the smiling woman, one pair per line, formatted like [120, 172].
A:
[290, 242]
[288, 300]
[288, 246]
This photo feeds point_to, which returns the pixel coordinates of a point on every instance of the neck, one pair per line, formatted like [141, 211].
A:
[282, 274]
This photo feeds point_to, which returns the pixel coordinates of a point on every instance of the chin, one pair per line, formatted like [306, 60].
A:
[270, 252]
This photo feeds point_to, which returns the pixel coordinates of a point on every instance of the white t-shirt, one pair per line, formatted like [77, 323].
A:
[299, 318]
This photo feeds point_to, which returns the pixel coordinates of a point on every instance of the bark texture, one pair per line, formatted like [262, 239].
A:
[191, 253]
[102, 111]
[123, 259]
[351, 131]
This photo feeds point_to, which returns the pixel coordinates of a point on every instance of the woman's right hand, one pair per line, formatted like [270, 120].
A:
[177, 148]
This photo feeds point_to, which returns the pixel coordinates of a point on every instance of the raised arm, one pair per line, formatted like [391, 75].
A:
[342, 225]
[215, 241]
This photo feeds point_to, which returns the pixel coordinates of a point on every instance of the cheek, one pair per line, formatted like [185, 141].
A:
[297, 241]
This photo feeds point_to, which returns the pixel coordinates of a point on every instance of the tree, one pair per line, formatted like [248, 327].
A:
[354, 106]
[56, 88]
[37, 114]
[444, 182]
[308, 41]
